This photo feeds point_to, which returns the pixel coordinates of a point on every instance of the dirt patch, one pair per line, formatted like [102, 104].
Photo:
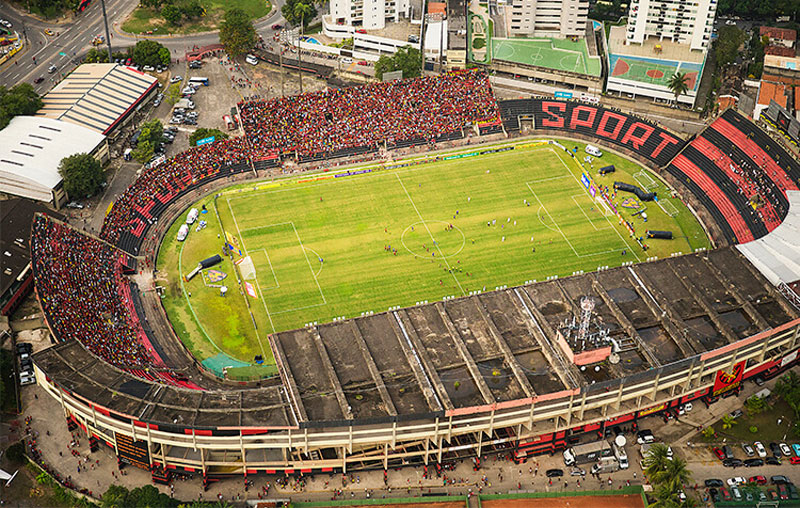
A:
[623, 501]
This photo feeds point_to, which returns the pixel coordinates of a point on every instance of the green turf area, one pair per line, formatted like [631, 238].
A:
[558, 54]
[149, 21]
[319, 245]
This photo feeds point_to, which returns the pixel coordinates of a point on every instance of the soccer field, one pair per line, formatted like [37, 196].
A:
[325, 248]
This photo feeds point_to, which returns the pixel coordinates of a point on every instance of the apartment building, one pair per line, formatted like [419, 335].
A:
[547, 18]
[683, 21]
[368, 14]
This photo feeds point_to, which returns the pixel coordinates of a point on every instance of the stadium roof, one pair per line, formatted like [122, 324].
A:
[31, 149]
[777, 255]
[97, 96]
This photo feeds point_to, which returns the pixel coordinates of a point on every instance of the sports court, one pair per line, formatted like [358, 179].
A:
[654, 71]
[557, 54]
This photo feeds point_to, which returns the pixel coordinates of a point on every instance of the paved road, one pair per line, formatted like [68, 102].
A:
[75, 38]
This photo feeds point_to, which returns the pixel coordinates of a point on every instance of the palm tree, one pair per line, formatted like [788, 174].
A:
[656, 460]
[728, 421]
[301, 9]
[677, 83]
[787, 383]
[675, 475]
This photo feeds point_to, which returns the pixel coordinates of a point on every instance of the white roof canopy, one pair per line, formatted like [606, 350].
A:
[31, 148]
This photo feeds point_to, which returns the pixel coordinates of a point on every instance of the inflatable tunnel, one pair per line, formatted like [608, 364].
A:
[607, 169]
[209, 262]
[663, 235]
[626, 187]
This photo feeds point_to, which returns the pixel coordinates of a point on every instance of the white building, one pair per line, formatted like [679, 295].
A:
[683, 21]
[547, 18]
[368, 14]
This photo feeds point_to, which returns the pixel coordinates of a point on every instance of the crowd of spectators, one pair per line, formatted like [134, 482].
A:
[162, 183]
[78, 280]
[330, 120]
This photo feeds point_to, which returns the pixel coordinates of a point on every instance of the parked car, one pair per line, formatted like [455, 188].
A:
[736, 413]
[645, 436]
[792, 491]
[759, 480]
[553, 473]
[24, 347]
[736, 480]
[773, 495]
[195, 65]
[760, 450]
[785, 449]
[75, 205]
[748, 450]
[754, 462]
[714, 493]
[732, 463]
[728, 451]
[719, 453]
[361, 31]
[775, 449]
[576, 471]
[796, 448]
[726, 496]
[716, 482]
[778, 479]
[783, 492]
[176, 79]
[737, 494]
[772, 461]
[148, 68]
[794, 460]
[27, 380]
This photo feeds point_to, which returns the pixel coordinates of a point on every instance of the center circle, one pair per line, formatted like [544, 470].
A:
[417, 239]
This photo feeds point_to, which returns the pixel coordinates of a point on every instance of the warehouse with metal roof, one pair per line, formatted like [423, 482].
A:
[31, 149]
[100, 97]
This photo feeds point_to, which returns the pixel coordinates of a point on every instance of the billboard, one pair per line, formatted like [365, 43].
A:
[132, 452]
[726, 381]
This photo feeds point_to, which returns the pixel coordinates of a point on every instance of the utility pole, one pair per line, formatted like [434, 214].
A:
[300, 52]
[108, 35]
[280, 56]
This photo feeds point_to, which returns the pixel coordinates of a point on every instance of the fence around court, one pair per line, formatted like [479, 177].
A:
[414, 501]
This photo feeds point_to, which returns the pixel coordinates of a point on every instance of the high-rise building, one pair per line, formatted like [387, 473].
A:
[682, 21]
[547, 18]
[368, 14]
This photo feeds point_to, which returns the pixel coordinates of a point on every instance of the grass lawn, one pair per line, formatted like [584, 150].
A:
[767, 422]
[319, 243]
[144, 20]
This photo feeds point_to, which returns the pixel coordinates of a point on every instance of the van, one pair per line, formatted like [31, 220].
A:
[346, 60]
[605, 465]
[183, 232]
[251, 59]
[193, 214]
[27, 380]
[621, 455]
[127, 155]
[593, 150]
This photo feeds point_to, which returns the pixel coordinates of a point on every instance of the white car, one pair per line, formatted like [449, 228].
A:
[736, 480]
[785, 449]
[176, 79]
[148, 68]
[760, 450]
[5, 23]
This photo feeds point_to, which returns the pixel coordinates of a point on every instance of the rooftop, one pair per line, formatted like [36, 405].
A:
[778, 50]
[769, 91]
[473, 351]
[784, 34]
[96, 96]
[31, 148]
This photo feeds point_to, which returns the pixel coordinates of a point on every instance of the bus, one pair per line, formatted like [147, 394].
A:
[198, 81]
[589, 452]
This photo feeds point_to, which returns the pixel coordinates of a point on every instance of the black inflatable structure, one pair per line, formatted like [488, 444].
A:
[626, 187]
[209, 262]
[662, 235]
[607, 169]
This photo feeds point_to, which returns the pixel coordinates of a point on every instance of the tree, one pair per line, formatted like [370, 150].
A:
[709, 433]
[203, 133]
[173, 93]
[656, 459]
[22, 99]
[299, 16]
[144, 151]
[728, 422]
[236, 32]
[83, 175]
[406, 59]
[147, 52]
[755, 405]
[788, 389]
[727, 45]
[152, 131]
[192, 9]
[677, 83]
[171, 14]
[97, 56]
[674, 475]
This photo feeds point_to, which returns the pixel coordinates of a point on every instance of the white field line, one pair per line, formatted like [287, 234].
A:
[303, 248]
[584, 212]
[431, 235]
[258, 286]
[624, 241]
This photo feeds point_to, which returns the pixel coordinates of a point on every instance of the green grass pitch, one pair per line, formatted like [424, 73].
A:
[339, 247]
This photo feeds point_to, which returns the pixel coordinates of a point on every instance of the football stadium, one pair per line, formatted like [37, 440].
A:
[414, 273]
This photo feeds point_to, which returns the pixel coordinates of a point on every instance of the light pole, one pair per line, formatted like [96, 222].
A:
[108, 35]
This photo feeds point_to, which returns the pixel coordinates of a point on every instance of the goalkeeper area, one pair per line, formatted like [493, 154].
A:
[332, 246]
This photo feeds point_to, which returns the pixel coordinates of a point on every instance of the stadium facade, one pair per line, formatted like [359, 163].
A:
[485, 373]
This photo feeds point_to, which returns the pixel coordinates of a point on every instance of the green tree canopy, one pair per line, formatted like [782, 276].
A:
[147, 52]
[22, 99]
[407, 59]
[144, 151]
[171, 14]
[203, 133]
[83, 175]
[296, 15]
[236, 32]
[727, 45]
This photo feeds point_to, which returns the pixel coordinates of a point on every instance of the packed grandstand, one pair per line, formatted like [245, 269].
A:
[734, 170]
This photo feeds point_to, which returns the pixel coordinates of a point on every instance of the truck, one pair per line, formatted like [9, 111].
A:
[185, 104]
[606, 465]
[621, 455]
[588, 452]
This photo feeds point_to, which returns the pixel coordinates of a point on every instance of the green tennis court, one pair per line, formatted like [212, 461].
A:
[558, 54]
